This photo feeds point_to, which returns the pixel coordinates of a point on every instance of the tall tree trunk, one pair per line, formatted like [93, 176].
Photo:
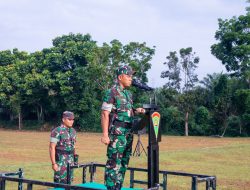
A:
[39, 111]
[20, 122]
[11, 117]
[186, 124]
[225, 125]
[240, 128]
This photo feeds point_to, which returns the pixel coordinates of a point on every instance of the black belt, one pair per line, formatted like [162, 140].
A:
[122, 124]
[64, 151]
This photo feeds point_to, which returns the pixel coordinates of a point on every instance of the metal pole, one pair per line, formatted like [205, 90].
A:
[153, 148]
[208, 183]
[84, 174]
[194, 183]
[20, 175]
[131, 178]
[165, 181]
[150, 156]
[29, 186]
[92, 171]
[214, 184]
[2, 184]
[68, 174]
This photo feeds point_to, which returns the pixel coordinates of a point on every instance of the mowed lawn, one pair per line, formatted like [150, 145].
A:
[227, 158]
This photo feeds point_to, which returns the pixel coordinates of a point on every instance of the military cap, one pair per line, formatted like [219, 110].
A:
[125, 70]
[68, 114]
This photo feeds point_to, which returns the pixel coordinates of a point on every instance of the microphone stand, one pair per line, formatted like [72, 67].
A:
[150, 99]
[138, 151]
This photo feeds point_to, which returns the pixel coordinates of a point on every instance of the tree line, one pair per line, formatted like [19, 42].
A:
[35, 88]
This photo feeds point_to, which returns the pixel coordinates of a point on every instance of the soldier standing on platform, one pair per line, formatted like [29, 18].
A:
[62, 147]
[116, 119]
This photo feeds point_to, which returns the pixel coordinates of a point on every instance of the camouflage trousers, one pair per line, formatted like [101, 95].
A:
[62, 161]
[118, 152]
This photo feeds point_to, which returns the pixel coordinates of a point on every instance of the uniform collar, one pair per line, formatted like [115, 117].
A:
[63, 126]
[118, 86]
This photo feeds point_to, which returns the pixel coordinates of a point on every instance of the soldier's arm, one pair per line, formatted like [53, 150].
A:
[52, 152]
[107, 106]
[105, 125]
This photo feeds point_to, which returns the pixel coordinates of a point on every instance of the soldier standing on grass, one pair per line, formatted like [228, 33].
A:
[118, 104]
[62, 147]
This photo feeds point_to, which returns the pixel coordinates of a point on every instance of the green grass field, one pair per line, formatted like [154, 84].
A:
[227, 158]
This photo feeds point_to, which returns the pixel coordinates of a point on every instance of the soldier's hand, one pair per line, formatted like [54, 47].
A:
[76, 147]
[105, 139]
[140, 110]
[55, 167]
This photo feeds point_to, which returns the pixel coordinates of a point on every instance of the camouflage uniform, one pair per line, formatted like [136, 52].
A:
[65, 139]
[119, 102]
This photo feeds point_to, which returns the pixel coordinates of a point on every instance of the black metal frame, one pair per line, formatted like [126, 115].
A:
[4, 177]
[92, 168]
[195, 178]
[31, 183]
[19, 173]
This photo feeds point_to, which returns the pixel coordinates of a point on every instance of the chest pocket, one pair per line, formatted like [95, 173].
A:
[67, 141]
[123, 105]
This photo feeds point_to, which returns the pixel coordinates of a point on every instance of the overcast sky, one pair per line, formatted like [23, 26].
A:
[30, 25]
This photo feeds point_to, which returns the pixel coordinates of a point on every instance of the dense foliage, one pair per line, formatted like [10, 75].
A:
[71, 75]
[35, 88]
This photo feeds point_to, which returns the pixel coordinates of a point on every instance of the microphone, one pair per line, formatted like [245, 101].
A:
[142, 86]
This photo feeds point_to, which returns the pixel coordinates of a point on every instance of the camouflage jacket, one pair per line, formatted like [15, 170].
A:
[119, 101]
[64, 137]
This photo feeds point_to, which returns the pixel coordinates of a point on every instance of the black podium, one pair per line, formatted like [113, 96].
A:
[151, 120]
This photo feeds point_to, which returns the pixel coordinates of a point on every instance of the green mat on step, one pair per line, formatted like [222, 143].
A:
[96, 186]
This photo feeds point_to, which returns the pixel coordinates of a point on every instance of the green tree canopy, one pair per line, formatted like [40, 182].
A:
[233, 47]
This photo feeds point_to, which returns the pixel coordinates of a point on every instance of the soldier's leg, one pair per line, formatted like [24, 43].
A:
[60, 176]
[126, 156]
[114, 154]
[71, 162]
